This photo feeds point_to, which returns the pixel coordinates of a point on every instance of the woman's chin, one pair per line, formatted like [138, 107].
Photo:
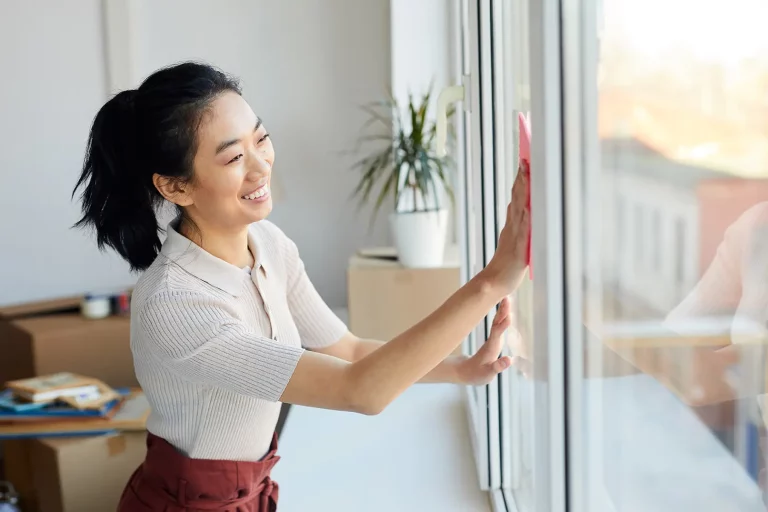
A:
[259, 211]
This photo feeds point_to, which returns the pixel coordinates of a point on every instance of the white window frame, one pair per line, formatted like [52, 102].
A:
[484, 179]
[583, 180]
[549, 479]
[490, 176]
[477, 397]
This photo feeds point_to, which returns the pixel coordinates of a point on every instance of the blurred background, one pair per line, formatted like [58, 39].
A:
[312, 70]
[639, 339]
[305, 69]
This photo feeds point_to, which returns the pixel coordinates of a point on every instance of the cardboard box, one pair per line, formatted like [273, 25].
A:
[385, 299]
[77, 474]
[45, 338]
[17, 469]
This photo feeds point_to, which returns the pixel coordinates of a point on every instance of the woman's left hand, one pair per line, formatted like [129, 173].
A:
[481, 368]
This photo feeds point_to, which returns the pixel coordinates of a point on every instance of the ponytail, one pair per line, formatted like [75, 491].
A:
[116, 201]
[136, 134]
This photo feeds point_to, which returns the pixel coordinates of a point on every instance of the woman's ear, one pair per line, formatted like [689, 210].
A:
[174, 190]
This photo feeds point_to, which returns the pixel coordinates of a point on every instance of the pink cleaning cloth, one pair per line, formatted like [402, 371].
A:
[525, 156]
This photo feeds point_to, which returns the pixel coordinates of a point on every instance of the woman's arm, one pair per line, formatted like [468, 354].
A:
[198, 337]
[369, 384]
[478, 369]
[352, 348]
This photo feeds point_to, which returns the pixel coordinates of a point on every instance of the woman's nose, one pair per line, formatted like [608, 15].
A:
[257, 164]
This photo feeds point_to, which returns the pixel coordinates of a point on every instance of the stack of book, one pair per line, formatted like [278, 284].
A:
[66, 404]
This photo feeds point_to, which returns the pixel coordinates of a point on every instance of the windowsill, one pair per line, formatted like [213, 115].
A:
[415, 456]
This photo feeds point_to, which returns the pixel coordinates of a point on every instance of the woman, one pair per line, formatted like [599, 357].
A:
[225, 323]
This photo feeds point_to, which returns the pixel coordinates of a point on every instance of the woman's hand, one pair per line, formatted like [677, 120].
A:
[709, 382]
[481, 368]
[507, 267]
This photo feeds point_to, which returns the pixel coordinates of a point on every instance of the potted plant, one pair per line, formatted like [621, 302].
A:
[408, 171]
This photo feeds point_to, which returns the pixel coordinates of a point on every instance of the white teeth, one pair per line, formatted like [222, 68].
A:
[258, 193]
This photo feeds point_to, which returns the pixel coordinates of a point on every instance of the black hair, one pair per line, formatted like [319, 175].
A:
[136, 134]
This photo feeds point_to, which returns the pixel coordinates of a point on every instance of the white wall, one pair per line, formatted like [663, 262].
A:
[303, 70]
[424, 52]
[422, 46]
[52, 61]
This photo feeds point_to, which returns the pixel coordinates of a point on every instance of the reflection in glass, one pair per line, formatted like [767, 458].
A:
[675, 393]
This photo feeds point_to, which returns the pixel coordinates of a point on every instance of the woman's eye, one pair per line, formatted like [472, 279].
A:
[265, 137]
[237, 158]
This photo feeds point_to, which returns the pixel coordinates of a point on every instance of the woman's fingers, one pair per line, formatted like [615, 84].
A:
[503, 312]
[502, 364]
[511, 257]
[519, 202]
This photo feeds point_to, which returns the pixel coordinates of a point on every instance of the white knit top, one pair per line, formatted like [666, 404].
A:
[735, 287]
[215, 346]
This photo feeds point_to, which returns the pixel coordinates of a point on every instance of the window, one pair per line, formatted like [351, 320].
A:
[656, 245]
[620, 226]
[639, 236]
[625, 407]
[679, 254]
[498, 61]
[658, 419]
[513, 97]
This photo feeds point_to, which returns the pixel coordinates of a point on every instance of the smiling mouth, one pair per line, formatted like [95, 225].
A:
[259, 193]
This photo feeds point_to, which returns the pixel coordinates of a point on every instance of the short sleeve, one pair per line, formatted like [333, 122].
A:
[199, 338]
[317, 324]
[720, 288]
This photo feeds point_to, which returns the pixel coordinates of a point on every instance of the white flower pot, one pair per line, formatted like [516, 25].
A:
[420, 237]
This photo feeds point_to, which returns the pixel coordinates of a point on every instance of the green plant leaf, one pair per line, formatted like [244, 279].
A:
[375, 116]
[391, 180]
[429, 185]
[415, 130]
[406, 164]
[372, 166]
[443, 178]
[365, 139]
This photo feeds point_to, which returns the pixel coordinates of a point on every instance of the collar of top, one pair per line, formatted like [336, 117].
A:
[207, 267]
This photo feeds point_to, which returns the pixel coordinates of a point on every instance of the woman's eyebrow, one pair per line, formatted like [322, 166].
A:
[227, 143]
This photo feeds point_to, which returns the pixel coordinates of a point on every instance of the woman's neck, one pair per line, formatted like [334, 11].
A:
[230, 246]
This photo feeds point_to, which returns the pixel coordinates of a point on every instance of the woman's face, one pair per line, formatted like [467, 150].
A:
[232, 167]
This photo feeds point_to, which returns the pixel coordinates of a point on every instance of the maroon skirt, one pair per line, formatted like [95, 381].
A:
[168, 481]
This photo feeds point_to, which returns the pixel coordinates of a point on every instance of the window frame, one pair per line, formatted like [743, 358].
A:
[485, 207]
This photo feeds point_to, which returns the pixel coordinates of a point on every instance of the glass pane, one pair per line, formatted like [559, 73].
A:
[675, 380]
[512, 61]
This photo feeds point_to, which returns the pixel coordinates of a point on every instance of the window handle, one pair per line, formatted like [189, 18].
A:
[449, 95]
